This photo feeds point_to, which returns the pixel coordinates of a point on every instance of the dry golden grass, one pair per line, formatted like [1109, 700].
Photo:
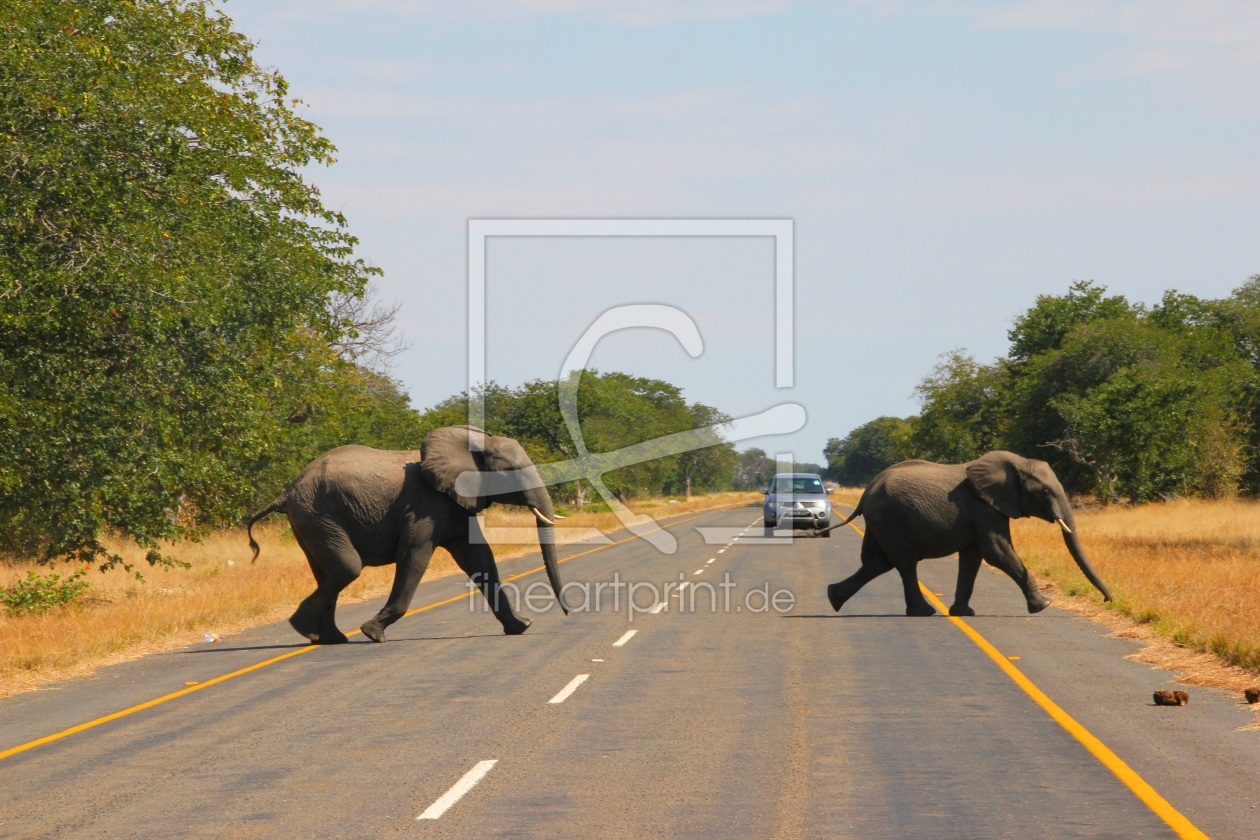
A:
[847, 496]
[1185, 572]
[221, 592]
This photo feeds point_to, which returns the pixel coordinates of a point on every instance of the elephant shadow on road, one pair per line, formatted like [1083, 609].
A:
[354, 643]
[845, 616]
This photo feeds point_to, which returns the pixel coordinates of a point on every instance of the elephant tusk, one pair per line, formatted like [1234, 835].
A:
[1064, 526]
[541, 518]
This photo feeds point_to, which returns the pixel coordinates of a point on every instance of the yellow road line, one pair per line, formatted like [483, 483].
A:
[157, 701]
[1140, 787]
[21, 748]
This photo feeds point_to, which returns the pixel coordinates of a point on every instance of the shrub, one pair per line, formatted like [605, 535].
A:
[42, 593]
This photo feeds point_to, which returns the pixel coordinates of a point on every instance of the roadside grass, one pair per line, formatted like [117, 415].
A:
[121, 618]
[1187, 570]
[847, 496]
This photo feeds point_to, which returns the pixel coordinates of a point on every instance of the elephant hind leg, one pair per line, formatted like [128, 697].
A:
[875, 562]
[896, 552]
[335, 565]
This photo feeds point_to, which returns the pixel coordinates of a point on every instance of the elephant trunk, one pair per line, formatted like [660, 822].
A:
[539, 501]
[1073, 542]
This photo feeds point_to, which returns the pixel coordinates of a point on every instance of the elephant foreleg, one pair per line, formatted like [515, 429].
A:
[410, 568]
[968, 567]
[997, 549]
[473, 555]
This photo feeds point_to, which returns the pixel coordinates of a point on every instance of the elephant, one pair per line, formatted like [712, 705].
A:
[917, 510]
[355, 506]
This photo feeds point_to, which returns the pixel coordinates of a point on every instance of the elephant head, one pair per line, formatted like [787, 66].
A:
[1019, 487]
[477, 469]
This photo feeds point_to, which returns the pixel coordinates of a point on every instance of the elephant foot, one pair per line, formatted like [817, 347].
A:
[836, 596]
[330, 639]
[923, 609]
[304, 628]
[1038, 606]
[516, 626]
[961, 610]
[374, 630]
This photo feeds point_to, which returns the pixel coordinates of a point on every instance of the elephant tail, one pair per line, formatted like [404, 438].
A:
[857, 511]
[275, 507]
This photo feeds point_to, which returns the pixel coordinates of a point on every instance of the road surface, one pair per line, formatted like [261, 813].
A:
[754, 711]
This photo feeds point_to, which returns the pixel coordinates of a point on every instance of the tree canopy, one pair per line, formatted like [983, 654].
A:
[868, 450]
[166, 276]
[614, 411]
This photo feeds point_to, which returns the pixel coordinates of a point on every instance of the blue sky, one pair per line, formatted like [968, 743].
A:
[943, 162]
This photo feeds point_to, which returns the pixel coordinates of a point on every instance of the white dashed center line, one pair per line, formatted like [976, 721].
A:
[456, 793]
[627, 636]
[570, 688]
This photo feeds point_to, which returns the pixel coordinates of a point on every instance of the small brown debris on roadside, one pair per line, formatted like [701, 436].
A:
[1171, 698]
[1252, 695]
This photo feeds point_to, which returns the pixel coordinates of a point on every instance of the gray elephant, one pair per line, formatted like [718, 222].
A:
[916, 510]
[355, 506]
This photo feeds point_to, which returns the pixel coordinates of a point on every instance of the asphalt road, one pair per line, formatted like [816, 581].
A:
[719, 717]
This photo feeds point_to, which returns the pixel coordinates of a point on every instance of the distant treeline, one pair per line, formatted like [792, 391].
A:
[614, 411]
[1126, 401]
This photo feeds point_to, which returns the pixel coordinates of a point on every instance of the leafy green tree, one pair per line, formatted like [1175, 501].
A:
[962, 410]
[754, 470]
[1139, 411]
[1043, 327]
[1143, 432]
[614, 411]
[712, 467]
[617, 410]
[1238, 318]
[166, 269]
[868, 450]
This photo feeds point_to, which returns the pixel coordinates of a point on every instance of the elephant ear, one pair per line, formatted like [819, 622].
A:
[448, 453]
[995, 478]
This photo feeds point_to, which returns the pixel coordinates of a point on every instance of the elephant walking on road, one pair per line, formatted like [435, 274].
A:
[355, 506]
[917, 510]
